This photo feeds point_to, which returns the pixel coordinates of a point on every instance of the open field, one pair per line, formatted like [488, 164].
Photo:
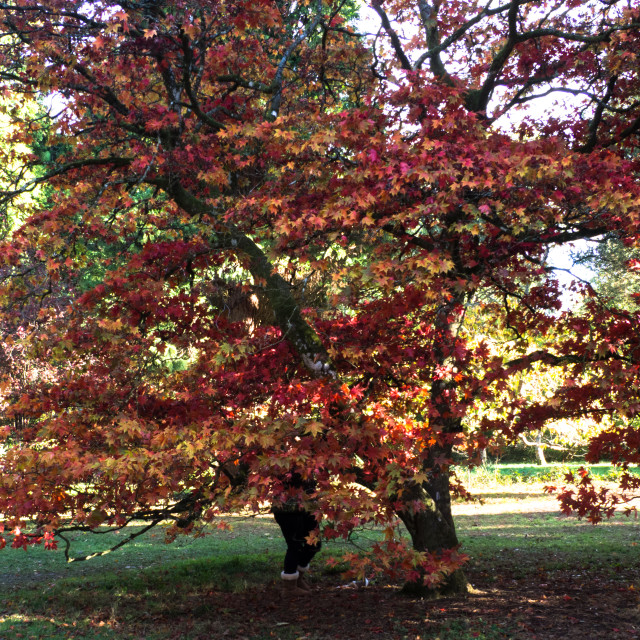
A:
[535, 574]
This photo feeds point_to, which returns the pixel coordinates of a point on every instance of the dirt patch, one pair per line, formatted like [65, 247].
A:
[558, 608]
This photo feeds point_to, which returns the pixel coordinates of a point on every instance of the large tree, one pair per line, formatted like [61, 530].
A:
[273, 243]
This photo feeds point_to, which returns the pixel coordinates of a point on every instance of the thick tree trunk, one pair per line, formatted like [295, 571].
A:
[432, 529]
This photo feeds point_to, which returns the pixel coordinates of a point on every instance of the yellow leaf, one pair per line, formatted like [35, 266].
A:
[314, 428]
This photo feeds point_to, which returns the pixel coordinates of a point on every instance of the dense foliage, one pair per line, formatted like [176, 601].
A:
[269, 243]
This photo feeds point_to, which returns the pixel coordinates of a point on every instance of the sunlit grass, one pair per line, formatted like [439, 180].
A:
[533, 535]
[142, 589]
[506, 474]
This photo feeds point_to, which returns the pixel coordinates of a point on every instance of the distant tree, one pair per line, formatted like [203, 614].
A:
[617, 272]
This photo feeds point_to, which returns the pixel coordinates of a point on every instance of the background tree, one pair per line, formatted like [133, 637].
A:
[617, 276]
[303, 216]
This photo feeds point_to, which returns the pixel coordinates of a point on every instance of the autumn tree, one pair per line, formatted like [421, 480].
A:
[269, 228]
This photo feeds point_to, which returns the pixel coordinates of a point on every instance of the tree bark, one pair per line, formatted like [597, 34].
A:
[432, 528]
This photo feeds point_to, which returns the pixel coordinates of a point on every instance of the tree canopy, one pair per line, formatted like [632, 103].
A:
[267, 241]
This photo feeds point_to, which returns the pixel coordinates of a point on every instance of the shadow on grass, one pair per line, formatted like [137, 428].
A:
[162, 605]
[132, 603]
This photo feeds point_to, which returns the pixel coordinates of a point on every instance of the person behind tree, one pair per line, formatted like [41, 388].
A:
[296, 523]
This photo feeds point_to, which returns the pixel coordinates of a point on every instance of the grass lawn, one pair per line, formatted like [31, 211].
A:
[534, 574]
[553, 472]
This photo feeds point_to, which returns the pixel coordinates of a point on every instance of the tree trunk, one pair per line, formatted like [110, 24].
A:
[540, 449]
[432, 529]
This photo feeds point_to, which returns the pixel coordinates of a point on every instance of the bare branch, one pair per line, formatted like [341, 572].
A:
[393, 36]
[544, 445]
[274, 105]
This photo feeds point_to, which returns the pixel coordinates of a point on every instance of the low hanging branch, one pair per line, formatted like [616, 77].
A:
[67, 543]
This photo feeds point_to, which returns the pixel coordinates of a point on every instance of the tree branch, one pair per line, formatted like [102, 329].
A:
[544, 445]
[274, 104]
[67, 167]
[393, 36]
[277, 290]
[478, 100]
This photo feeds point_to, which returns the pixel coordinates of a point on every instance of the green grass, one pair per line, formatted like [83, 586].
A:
[146, 574]
[527, 543]
[248, 537]
[554, 472]
[149, 590]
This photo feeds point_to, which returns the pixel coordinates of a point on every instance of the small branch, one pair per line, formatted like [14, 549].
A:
[122, 542]
[597, 117]
[186, 81]
[456, 35]
[577, 37]
[633, 128]
[274, 104]
[66, 168]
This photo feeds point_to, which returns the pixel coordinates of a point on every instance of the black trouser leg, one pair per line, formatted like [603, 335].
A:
[307, 524]
[295, 527]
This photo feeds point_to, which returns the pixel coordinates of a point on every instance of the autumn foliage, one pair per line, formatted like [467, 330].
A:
[262, 240]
